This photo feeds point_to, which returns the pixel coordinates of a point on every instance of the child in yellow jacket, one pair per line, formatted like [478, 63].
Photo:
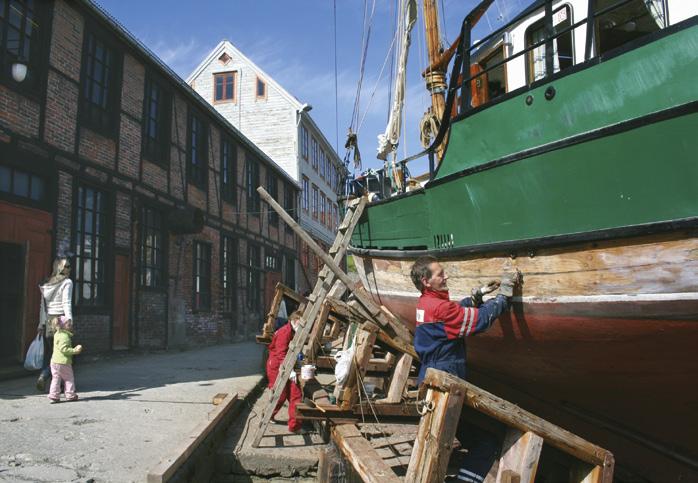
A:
[62, 361]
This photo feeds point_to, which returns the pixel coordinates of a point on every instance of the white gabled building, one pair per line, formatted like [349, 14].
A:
[282, 127]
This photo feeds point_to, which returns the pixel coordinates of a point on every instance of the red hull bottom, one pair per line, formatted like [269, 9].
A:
[626, 381]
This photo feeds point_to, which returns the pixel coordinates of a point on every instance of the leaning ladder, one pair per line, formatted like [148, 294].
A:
[325, 281]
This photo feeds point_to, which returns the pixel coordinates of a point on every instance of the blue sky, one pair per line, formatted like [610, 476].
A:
[293, 41]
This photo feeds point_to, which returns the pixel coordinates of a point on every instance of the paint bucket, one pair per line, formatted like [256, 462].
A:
[370, 388]
[308, 372]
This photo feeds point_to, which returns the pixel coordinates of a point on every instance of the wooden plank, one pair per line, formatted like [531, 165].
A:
[364, 348]
[219, 398]
[365, 460]
[521, 452]
[166, 468]
[399, 380]
[434, 441]
[318, 327]
[518, 418]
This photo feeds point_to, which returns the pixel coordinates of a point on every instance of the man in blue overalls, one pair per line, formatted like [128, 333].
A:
[439, 340]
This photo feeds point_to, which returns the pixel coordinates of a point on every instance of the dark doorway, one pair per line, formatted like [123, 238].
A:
[11, 295]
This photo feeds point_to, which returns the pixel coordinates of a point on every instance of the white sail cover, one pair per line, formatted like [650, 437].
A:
[388, 141]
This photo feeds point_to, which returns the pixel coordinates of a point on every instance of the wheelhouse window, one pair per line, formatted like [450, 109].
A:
[20, 29]
[261, 92]
[254, 277]
[224, 87]
[24, 186]
[152, 248]
[228, 170]
[495, 77]
[228, 265]
[273, 190]
[100, 86]
[156, 122]
[202, 276]
[628, 22]
[91, 243]
[198, 151]
[252, 172]
[563, 56]
[305, 195]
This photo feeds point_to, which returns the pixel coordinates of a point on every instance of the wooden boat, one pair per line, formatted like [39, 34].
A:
[580, 168]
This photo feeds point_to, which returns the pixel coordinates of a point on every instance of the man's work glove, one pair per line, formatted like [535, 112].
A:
[510, 280]
[477, 293]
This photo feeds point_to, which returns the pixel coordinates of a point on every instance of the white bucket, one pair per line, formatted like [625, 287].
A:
[308, 372]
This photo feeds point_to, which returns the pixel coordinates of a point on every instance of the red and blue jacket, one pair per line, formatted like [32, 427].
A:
[443, 325]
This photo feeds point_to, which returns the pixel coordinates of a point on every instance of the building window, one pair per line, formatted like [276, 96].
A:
[202, 276]
[323, 202]
[290, 204]
[323, 164]
[254, 277]
[15, 183]
[290, 271]
[228, 270]
[91, 241]
[315, 202]
[315, 154]
[271, 261]
[152, 249]
[305, 195]
[224, 90]
[198, 151]
[252, 172]
[273, 190]
[228, 169]
[304, 142]
[19, 37]
[261, 89]
[100, 86]
[562, 45]
[156, 122]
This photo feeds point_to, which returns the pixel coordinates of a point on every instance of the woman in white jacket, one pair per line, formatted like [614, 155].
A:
[56, 300]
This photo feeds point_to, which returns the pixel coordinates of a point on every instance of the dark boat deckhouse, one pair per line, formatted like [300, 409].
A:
[569, 151]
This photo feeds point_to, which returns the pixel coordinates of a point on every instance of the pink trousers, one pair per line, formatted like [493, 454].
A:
[62, 372]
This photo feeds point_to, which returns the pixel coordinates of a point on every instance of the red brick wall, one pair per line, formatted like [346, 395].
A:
[19, 112]
[61, 112]
[129, 147]
[97, 148]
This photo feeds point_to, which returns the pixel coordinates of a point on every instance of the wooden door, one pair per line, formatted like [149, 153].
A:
[30, 228]
[11, 297]
[120, 325]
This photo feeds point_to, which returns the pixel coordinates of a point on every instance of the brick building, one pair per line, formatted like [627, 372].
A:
[106, 153]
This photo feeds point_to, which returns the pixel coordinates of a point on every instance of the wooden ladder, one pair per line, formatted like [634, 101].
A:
[323, 286]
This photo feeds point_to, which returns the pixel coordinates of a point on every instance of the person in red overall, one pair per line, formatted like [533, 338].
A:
[439, 340]
[277, 352]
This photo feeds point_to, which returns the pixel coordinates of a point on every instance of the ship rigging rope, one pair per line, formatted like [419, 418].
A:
[365, 39]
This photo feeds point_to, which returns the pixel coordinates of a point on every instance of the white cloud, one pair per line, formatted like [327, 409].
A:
[182, 56]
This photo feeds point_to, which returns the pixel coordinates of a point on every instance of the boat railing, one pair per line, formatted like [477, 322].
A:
[463, 89]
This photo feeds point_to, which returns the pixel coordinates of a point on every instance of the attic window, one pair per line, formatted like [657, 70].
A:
[261, 89]
[224, 58]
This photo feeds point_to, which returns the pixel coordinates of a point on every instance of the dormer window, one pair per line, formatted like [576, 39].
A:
[261, 89]
[224, 87]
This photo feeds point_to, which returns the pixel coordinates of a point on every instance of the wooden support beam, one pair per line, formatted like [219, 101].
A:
[365, 460]
[520, 455]
[314, 338]
[399, 380]
[434, 441]
[393, 325]
[513, 416]
[364, 348]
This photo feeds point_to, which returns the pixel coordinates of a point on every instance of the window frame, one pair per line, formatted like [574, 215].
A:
[223, 75]
[259, 82]
[254, 276]
[107, 249]
[273, 190]
[108, 123]
[160, 264]
[197, 178]
[45, 202]
[305, 142]
[315, 200]
[157, 150]
[252, 180]
[540, 24]
[228, 272]
[315, 153]
[305, 195]
[199, 305]
[228, 187]
[37, 58]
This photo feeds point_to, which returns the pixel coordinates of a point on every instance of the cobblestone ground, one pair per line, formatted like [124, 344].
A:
[132, 412]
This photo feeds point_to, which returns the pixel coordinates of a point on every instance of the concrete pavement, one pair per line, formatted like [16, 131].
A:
[132, 412]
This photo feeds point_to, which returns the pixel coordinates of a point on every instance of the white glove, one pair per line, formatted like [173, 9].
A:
[292, 377]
